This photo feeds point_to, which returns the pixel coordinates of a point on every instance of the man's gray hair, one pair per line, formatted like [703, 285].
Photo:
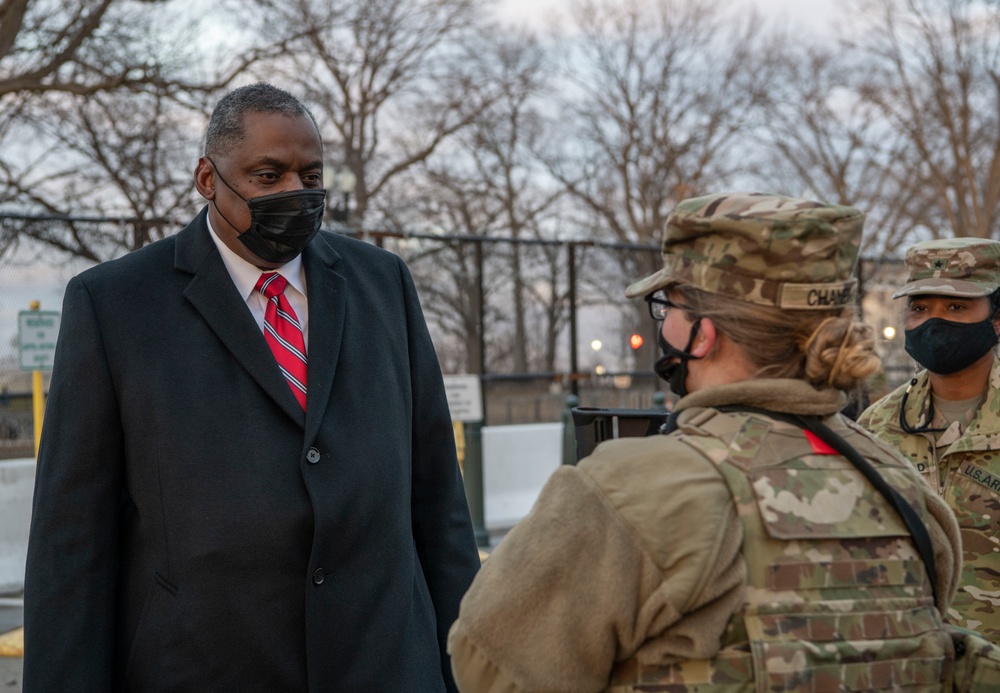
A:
[226, 127]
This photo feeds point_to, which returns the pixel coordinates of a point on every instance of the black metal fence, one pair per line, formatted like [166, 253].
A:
[573, 336]
[591, 279]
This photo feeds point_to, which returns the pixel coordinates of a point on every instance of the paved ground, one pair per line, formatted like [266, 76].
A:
[10, 664]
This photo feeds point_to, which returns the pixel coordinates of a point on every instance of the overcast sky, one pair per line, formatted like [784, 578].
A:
[809, 11]
[814, 13]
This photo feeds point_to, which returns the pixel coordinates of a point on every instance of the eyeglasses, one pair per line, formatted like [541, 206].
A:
[660, 305]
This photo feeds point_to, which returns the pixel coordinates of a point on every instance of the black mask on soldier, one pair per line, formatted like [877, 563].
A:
[675, 372]
[944, 347]
[282, 224]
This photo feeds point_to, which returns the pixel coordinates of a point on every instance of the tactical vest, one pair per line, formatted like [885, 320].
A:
[969, 474]
[837, 597]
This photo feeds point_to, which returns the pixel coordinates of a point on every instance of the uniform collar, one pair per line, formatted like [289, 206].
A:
[982, 432]
[787, 395]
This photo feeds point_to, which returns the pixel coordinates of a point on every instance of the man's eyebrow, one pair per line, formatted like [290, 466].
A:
[269, 161]
[279, 163]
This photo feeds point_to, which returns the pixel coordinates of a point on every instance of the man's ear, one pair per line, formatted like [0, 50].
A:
[204, 178]
[705, 340]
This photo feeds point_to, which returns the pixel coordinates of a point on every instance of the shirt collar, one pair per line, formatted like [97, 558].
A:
[245, 274]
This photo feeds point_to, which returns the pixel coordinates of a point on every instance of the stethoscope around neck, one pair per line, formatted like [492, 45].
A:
[920, 428]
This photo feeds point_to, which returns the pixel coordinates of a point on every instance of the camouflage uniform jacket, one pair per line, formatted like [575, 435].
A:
[967, 476]
[633, 561]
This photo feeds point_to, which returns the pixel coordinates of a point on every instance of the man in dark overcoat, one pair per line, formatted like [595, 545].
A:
[247, 479]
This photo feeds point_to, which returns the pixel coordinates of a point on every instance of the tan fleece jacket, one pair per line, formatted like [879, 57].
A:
[633, 553]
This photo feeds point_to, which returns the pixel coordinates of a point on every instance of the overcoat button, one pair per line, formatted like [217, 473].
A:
[318, 576]
[312, 457]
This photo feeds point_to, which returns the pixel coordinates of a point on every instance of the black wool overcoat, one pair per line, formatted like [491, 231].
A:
[194, 530]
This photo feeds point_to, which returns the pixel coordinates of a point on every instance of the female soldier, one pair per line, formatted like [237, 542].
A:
[945, 420]
[748, 547]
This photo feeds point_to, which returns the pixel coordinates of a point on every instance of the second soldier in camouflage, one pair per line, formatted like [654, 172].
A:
[946, 420]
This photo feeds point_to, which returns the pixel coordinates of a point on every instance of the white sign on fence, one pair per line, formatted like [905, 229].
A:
[37, 332]
[465, 398]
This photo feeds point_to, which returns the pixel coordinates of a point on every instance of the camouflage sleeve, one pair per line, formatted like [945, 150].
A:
[874, 417]
[947, 542]
[614, 560]
[883, 413]
[865, 418]
[535, 616]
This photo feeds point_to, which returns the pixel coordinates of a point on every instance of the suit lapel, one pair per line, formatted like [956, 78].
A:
[327, 306]
[212, 292]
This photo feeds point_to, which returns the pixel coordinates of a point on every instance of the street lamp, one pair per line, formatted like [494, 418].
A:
[343, 181]
[596, 345]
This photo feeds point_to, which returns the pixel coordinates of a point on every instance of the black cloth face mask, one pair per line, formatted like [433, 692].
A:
[675, 372]
[944, 347]
[282, 224]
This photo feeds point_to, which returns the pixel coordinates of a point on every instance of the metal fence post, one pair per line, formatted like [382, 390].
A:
[473, 477]
[569, 431]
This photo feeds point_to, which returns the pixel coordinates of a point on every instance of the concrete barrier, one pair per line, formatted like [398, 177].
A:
[11, 660]
[517, 461]
[17, 482]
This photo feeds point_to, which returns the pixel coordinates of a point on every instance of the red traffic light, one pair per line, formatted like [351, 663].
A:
[635, 341]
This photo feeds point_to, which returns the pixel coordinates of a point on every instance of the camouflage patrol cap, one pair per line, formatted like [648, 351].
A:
[965, 267]
[765, 249]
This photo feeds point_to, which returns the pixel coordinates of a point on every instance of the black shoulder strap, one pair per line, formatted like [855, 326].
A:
[916, 527]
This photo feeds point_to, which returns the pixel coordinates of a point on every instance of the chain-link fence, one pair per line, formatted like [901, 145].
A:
[540, 320]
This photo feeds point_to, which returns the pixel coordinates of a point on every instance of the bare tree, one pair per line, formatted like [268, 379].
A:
[102, 105]
[661, 93]
[110, 155]
[86, 47]
[87, 147]
[55, 46]
[824, 140]
[487, 183]
[391, 79]
[500, 146]
[934, 76]
[449, 272]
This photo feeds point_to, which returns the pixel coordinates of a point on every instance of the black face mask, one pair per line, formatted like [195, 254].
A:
[944, 347]
[675, 372]
[282, 224]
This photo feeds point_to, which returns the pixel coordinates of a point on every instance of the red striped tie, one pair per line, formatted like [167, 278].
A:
[284, 334]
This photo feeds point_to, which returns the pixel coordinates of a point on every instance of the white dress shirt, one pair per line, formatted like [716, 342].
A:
[245, 276]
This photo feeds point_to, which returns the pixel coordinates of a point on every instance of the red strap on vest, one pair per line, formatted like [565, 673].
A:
[819, 446]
